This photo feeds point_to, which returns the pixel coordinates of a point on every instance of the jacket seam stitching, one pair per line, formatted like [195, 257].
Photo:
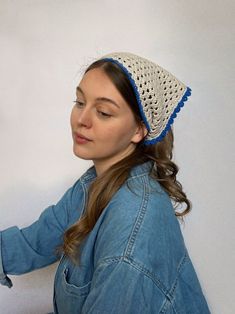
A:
[139, 219]
[144, 174]
[139, 267]
[174, 285]
[170, 296]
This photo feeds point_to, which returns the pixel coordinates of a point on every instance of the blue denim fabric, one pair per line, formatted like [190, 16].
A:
[133, 261]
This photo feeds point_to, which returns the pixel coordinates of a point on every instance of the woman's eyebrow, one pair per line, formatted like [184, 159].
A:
[107, 100]
[99, 98]
[78, 89]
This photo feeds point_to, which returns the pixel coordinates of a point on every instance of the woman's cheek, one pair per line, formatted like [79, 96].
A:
[111, 131]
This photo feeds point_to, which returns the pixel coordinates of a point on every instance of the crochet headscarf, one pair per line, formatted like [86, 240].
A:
[159, 94]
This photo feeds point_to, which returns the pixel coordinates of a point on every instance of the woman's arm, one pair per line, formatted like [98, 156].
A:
[33, 247]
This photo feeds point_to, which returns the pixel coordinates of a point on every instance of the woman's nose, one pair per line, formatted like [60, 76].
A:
[84, 117]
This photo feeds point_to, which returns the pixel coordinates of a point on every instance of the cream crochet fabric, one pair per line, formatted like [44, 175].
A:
[160, 95]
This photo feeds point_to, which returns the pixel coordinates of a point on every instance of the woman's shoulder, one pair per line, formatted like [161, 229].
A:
[141, 217]
[141, 194]
[139, 228]
[139, 225]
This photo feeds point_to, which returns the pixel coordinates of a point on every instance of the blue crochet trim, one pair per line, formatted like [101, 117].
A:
[134, 88]
[172, 117]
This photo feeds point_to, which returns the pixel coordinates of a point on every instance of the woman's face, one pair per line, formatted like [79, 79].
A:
[102, 116]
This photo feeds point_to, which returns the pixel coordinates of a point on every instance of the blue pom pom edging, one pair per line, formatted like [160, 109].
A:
[171, 120]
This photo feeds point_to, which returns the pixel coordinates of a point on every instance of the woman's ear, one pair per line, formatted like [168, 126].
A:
[141, 132]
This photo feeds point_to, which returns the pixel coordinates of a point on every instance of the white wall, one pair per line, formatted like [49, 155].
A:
[44, 44]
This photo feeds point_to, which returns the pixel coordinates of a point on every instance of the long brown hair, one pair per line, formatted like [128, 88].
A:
[101, 191]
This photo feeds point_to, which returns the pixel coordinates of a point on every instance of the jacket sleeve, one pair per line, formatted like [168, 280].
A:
[118, 286]
[33, 247]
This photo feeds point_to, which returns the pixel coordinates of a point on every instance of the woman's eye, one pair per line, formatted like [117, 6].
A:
[78, 103]
[104, 114]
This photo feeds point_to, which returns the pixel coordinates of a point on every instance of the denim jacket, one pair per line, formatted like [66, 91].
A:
[134, 260]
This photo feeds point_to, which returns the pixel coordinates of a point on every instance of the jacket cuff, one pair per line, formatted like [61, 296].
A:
[4, 280]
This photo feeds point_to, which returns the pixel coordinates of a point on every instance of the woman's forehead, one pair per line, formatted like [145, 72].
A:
[96, 83]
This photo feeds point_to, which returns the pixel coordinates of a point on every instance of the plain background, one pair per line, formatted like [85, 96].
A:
[45, 46]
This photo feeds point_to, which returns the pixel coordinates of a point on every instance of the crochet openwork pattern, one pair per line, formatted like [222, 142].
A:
[159, 94]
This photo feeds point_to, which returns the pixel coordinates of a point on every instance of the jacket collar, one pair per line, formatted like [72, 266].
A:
[138, 170]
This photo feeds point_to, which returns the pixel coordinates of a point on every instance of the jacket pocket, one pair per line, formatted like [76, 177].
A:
[72, 289]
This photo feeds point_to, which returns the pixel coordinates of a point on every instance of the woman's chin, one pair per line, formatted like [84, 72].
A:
[81, 153]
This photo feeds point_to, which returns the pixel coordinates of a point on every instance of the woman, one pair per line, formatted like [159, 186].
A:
[116, 230]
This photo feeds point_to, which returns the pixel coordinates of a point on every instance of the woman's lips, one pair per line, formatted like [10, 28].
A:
[80, 139]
